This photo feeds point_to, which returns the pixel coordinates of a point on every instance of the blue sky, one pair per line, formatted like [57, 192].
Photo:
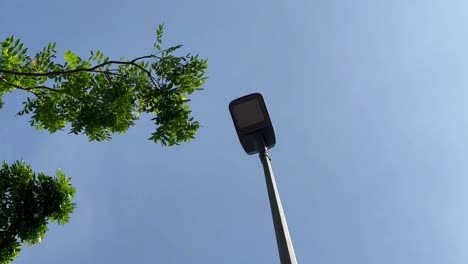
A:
[369, 104]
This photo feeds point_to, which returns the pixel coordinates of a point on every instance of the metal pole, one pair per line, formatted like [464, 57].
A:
[283, 239]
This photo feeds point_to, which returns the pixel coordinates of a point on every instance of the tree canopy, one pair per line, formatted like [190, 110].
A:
[95, 96]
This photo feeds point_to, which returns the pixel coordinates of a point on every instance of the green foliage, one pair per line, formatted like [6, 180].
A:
[99, 97]
[28, 201]
[94, 96]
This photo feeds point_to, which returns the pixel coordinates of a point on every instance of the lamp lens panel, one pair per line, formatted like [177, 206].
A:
[248, 113]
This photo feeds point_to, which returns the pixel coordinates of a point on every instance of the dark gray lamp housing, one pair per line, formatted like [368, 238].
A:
[252, 122]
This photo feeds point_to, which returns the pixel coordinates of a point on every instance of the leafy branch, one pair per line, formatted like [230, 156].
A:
[99, 97]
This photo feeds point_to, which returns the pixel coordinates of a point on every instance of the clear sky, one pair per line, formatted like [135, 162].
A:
[369, 100]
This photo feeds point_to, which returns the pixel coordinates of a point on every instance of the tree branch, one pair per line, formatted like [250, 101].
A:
[18, 87]
[145, 57]
[29, 89]
[92, 69]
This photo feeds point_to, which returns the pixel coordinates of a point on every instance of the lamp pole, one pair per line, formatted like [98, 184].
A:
[283, 239]
[256, 135]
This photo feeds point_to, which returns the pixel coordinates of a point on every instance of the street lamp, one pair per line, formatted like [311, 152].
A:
[256, 134]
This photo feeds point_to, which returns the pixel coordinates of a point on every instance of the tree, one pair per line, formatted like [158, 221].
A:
[28, 201]
[97, 97]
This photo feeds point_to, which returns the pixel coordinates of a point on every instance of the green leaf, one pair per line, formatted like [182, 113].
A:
[72, 59]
